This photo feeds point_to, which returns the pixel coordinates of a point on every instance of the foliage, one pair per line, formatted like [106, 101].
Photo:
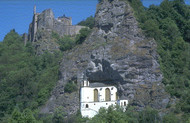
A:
[70, 87]
[66, 42]
[148, 116]
[110, 115]
[168, 24]
[25, 79]
[170, 118]
[22, 117]
[99, 1]
[116, 114]
[84, 32]
[89, 22]
[58, 116]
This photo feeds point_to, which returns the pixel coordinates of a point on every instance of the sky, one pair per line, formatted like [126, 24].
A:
[17, 14]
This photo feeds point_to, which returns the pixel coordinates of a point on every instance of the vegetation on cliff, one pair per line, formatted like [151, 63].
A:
[26, 80]
[68, 42]
[89, 22]
[169, 25]
[115, 114]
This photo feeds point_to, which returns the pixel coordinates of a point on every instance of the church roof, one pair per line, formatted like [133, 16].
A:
[96, 84]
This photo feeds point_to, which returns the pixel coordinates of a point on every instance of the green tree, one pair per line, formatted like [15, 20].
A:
[25, 117]
[89, 22]
[26, 80]
[170, 118]
[59, 115]
[70, 87]
[84, 32]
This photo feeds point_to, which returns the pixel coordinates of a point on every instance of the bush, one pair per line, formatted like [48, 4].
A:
[89, 22]
[22, 117]
[70, 87]
[58, 116]
[170, 118]
[83, 35]
[65, 43]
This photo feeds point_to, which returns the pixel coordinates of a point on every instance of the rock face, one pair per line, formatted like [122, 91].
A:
[116, 53]
[42, 26]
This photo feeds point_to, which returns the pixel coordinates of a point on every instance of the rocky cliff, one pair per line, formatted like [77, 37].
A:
[116, 53]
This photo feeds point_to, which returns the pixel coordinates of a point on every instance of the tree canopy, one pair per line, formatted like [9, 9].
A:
[168, 24]
[25, 79]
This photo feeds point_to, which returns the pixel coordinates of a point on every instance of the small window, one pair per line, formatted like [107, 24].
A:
[100, 89]
[94, 104]
[87, 106]
[106, 103]
[112, 88]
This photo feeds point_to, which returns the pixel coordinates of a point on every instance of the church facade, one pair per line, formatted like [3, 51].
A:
[93, 98]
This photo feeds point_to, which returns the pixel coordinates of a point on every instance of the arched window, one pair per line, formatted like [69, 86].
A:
[87, 106]
[108, 95]
[116, 96]
[95, 95]
[125, 104]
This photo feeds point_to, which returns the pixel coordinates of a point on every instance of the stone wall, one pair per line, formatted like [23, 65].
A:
[42, 26]
[46, 21]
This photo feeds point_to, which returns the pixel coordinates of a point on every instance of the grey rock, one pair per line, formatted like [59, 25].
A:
[116, 53]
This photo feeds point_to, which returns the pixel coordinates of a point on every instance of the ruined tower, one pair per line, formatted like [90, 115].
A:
[34, 9]
[47, 23]
[35, 23]
[33, 26]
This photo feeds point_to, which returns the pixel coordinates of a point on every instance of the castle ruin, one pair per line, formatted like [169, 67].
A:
[45, 21]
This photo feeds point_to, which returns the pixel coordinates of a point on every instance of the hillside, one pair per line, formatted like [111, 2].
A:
[144, 52]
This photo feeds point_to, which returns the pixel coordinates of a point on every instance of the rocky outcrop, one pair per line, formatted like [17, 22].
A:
[116, 53]
[42, 26]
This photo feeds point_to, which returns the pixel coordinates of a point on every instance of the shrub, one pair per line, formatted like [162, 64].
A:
[89, 22]
[70, 87]
[83, 35]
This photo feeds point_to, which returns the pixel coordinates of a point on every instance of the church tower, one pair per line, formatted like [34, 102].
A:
[85, 83]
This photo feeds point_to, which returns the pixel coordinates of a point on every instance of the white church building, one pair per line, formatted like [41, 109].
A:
[93, 98]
